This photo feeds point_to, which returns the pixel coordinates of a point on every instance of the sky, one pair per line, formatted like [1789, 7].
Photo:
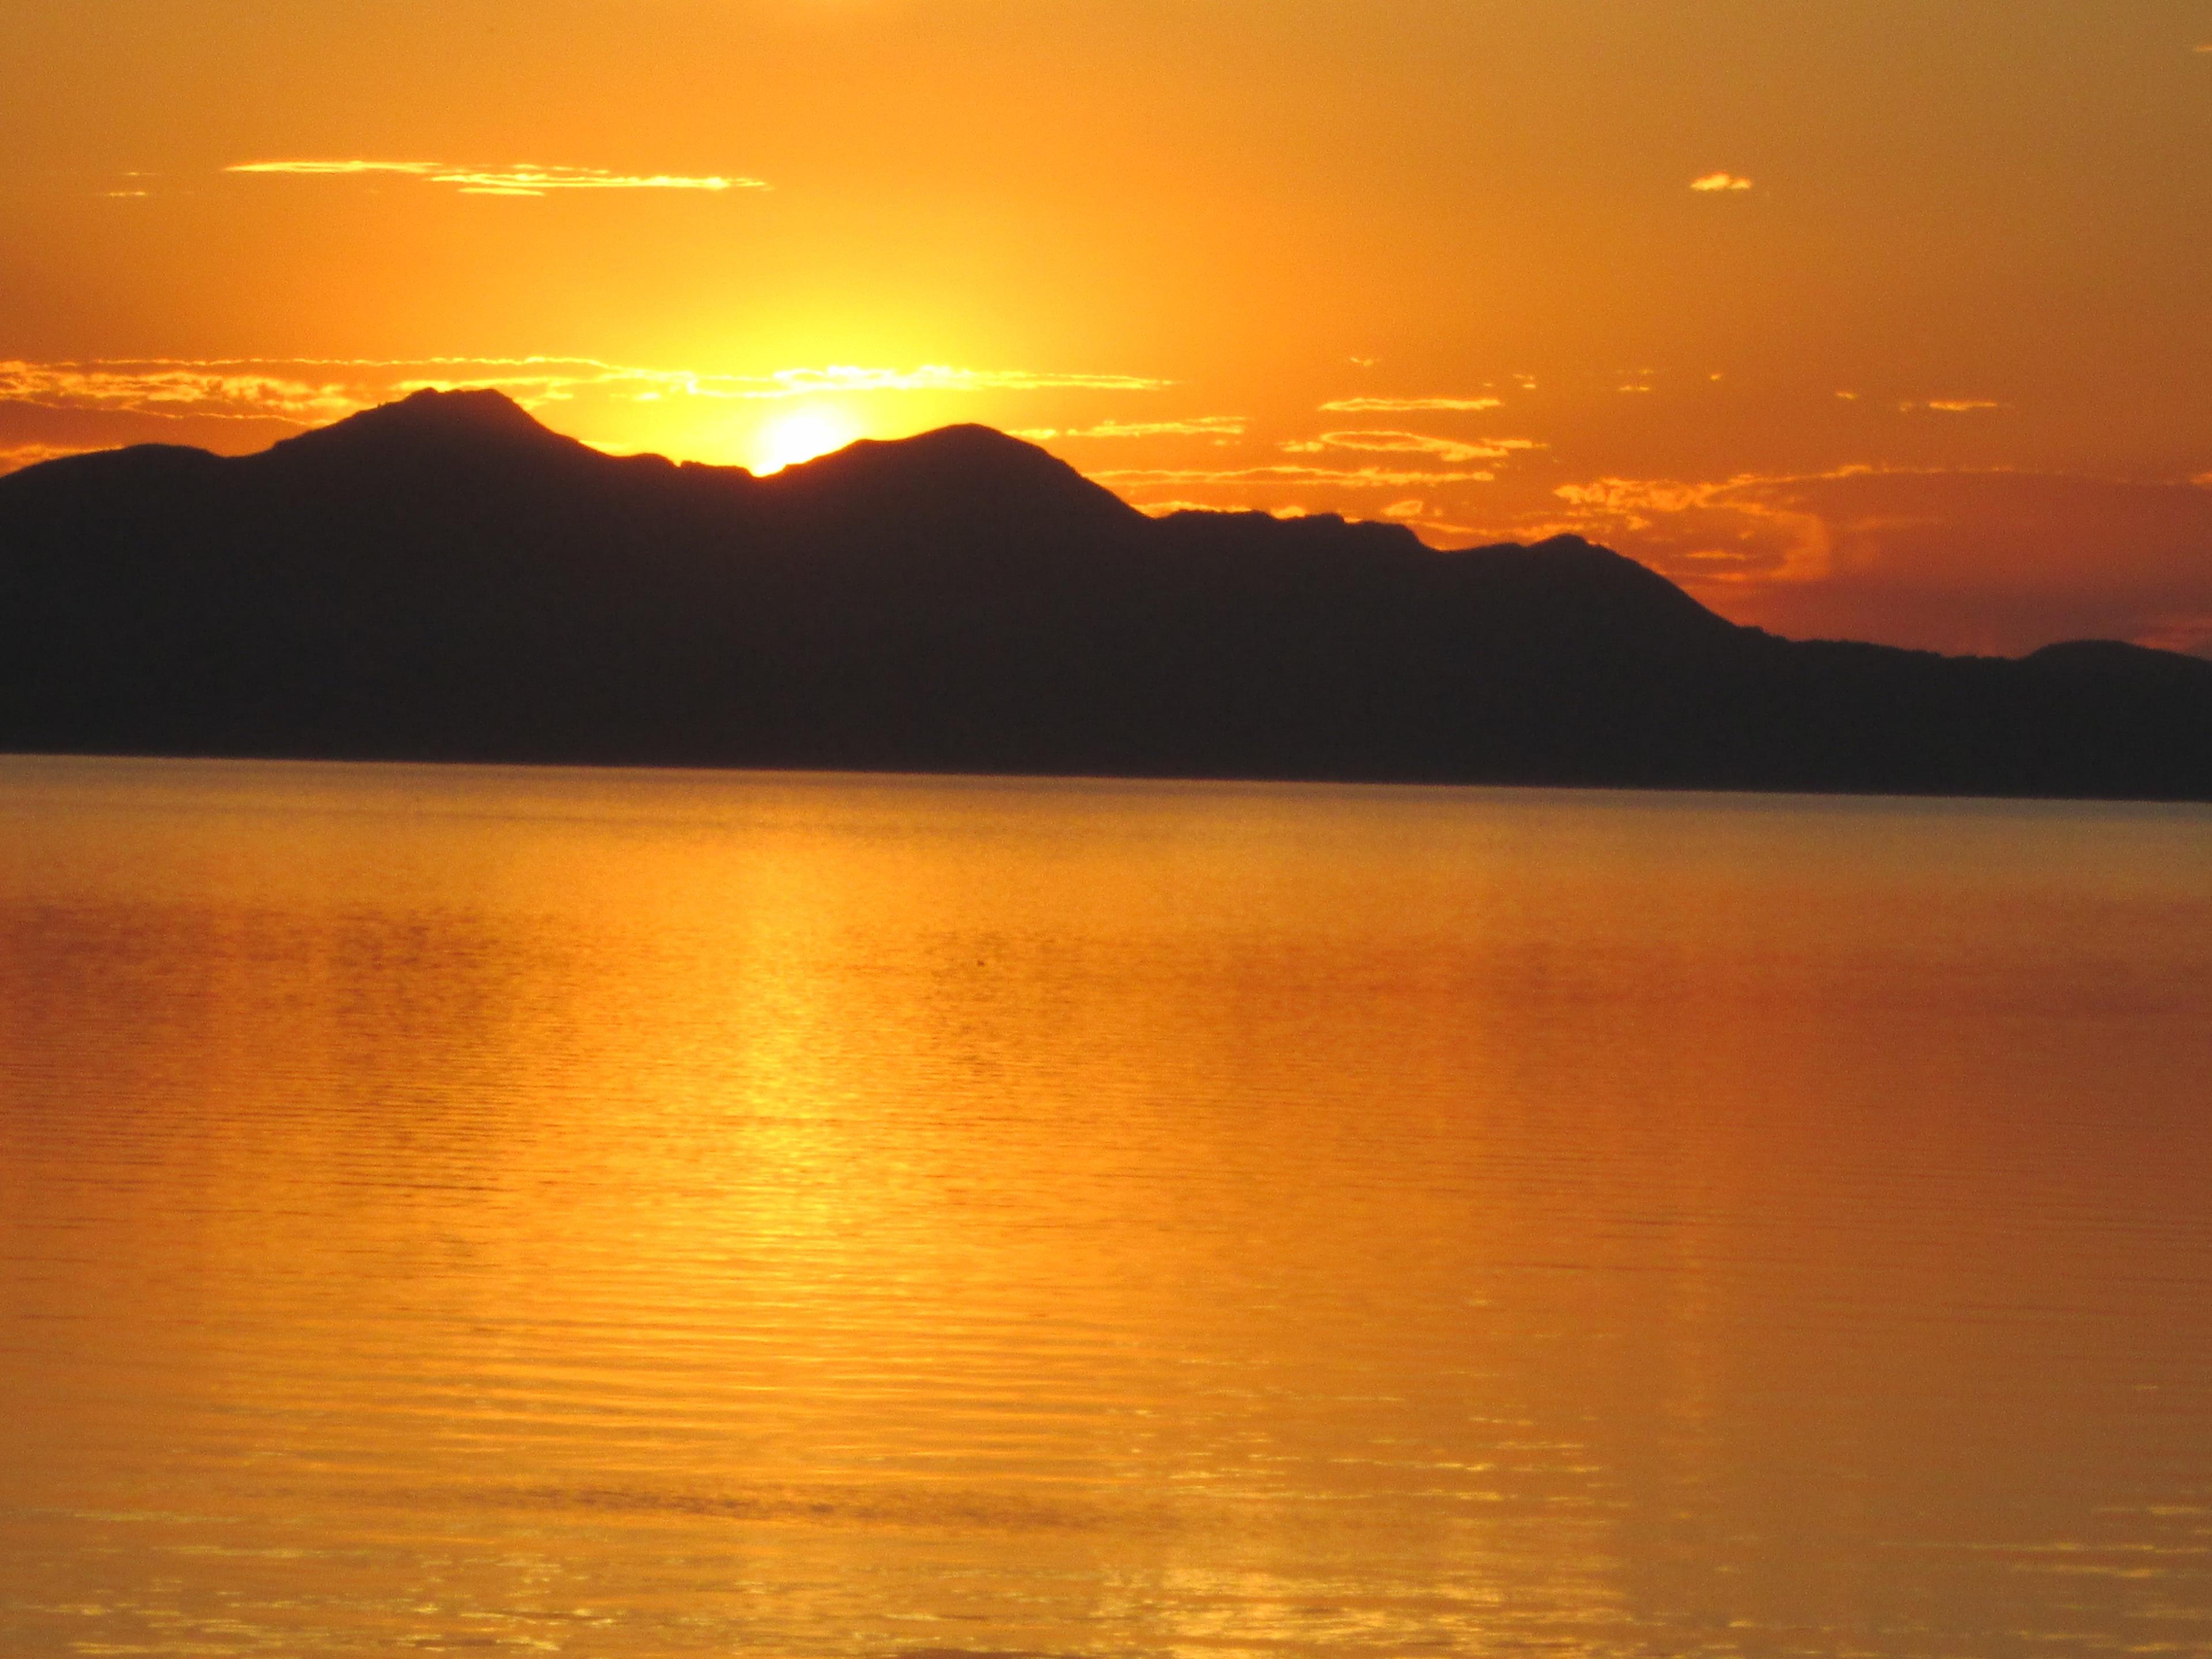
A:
[1888, 319]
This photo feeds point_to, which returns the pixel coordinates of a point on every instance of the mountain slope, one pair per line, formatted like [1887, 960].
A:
[444, 578]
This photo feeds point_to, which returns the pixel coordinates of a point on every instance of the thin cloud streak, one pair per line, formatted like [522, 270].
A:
[1367, 478]
[1201, 426]
[208, 390]
[1713, 182]
[14, 458]
[1409, 443]
[521, 179]
[310, 391]
[1405, 405]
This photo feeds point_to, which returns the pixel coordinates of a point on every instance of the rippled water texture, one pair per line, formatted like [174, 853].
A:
[637, 1214]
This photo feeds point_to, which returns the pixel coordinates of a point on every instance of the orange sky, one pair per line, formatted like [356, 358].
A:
[1928, 360]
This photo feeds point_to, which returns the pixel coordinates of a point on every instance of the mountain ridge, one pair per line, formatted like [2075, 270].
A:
[445, 578]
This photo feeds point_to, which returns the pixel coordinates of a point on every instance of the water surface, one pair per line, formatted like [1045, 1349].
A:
[662, 1214]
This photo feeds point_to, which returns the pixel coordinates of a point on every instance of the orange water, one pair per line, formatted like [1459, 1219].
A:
[658, 1214]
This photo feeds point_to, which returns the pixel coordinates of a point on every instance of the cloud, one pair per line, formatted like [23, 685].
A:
[1200, 426]
[1162, 509]
[1720, 181]
[1404, 406]
[1996, 560]
[929, 377]
[1408, 443]
[1953, 406]
[236, 405]
[1406, 509]
[15, 456]
[523, 179]
[216, 389]
[312, 390]
[1365, 477]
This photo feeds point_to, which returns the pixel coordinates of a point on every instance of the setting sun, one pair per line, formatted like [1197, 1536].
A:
[799, 436]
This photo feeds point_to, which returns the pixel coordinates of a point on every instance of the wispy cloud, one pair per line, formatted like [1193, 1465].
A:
[1201, 426]
[1713, 182]
[1365, 477]
[308, 390]
[15, 456]
[1958, 560]
[1162, 509]
[928, 377]
[1404, 406]
[211, 389]
[1408, 443]
[521, 179]
[1954, 405]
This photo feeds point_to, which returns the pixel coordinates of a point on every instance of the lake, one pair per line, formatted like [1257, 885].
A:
[633, 1214]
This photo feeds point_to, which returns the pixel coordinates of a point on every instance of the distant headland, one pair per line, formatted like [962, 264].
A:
[445, 578]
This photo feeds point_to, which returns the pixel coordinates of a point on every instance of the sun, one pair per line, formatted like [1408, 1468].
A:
[799, 436]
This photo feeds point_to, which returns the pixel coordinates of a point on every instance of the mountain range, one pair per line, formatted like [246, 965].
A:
[445, 578]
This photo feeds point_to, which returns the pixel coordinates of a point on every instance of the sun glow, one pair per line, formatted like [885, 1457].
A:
[799, 436]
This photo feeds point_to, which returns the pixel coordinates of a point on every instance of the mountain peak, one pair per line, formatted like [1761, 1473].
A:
[472, 419]
[954, 468]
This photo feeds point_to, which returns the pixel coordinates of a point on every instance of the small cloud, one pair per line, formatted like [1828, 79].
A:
[125, 195]
[1161, 509]
[1365, 477]
[1406, 509]
[523, 179]
[929, 377]
[1408, 443]
[1406, 405]
[1203, 425]
[1635, 388]
[1363, 362]
[1951, 405]
[1849, 396]
[15, 456]
[1720, 181]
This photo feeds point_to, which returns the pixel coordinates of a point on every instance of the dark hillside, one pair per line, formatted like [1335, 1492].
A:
[445, 578]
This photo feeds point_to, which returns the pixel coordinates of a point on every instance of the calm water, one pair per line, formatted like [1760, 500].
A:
[638, 1214]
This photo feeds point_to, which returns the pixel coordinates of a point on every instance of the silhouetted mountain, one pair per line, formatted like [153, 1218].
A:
[445, 578]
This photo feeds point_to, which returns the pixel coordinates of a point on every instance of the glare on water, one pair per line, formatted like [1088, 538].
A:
[648, 1214]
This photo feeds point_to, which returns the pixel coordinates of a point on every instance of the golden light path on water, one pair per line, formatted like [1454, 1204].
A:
[630, 1213]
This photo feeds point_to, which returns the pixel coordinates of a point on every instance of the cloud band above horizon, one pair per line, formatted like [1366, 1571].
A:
[521, 179]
